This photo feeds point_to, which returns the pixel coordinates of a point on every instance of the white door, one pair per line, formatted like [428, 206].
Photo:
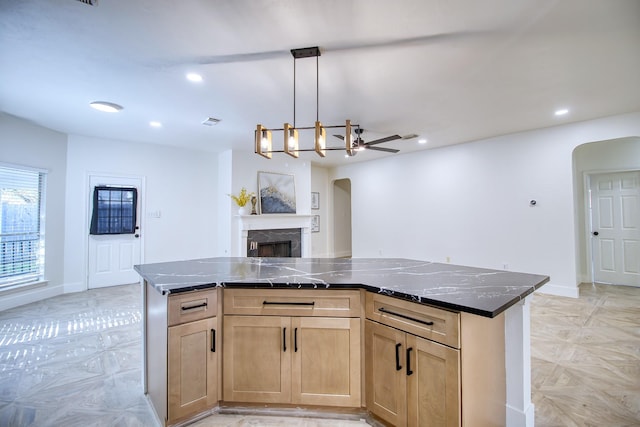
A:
[112, 256]
[615, 227]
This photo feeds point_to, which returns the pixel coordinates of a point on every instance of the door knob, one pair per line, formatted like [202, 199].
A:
[595, 233]
[136, 235]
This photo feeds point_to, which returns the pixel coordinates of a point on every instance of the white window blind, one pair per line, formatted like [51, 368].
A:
[21, 225]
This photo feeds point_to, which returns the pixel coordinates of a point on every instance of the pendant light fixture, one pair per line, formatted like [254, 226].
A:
[291, 145]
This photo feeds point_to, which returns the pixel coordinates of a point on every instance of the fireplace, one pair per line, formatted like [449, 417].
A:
[286, 242]
[271, 228]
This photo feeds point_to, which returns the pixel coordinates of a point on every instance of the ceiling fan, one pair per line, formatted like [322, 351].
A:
[359, 144]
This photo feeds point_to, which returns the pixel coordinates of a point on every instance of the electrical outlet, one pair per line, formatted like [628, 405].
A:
[448, 260]
[505, 266]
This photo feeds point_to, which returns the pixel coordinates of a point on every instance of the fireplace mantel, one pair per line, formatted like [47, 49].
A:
[274, 221]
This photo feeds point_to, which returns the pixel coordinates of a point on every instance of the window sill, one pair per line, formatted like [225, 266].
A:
[22, 287]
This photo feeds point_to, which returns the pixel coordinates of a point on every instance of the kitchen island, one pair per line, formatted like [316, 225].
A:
[477, 319]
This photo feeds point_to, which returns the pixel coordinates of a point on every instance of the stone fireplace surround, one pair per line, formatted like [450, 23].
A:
[290, 222]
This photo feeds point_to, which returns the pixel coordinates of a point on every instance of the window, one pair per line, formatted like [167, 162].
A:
[21, 225]
[114, 210]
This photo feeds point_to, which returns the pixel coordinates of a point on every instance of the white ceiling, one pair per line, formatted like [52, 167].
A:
[451, 71]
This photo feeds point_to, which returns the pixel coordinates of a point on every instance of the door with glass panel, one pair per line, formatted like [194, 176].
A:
[114, 230]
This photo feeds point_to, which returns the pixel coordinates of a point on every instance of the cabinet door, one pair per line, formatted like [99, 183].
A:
[192, 368]
[326, 367]
[257, 359]
[385, 365]
[433, 384]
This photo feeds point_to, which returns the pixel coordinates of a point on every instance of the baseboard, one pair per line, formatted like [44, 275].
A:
[74, 287]
[518, 418]
[561, 291]
[18, 298]
[342, 254]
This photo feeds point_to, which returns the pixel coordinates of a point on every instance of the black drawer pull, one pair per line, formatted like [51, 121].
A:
[213, 340]
[409, 371]
[398, 367]
[286, 303]
[284, 339]
[295, 340]
[204, 304]
[424, 322]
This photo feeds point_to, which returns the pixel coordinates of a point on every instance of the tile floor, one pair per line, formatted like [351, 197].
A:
[586, 358]
[75, 360]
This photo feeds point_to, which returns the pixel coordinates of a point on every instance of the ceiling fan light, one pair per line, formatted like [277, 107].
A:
[291, 140]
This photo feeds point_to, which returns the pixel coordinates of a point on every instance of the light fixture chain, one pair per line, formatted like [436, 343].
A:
[317, 91]
[294, 93]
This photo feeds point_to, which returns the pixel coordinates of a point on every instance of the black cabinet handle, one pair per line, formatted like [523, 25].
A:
[295, 340]
[287, 303]
[409, 371]
[393, 313]
[595, 233]
[284, 339]
[398, 367]
[213, 340]
[204, 304]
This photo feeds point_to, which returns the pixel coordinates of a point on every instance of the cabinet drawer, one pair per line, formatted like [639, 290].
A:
[190, 306]
[425, 321]
[292, 302]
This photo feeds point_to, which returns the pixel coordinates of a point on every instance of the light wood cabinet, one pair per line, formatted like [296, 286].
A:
[274, 358]
[411, 381]
[192, 368]
[181, 350]
[427, 366]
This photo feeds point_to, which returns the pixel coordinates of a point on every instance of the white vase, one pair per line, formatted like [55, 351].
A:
[244, 210]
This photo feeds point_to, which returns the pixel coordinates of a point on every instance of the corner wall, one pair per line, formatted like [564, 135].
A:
[27, 144]
[469, 203]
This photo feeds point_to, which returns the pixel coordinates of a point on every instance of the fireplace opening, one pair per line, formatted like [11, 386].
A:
[281, 243]
[275, 249]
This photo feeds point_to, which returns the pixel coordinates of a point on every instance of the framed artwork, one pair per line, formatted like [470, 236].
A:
[315, 200]
[277, 193]
[315, 224]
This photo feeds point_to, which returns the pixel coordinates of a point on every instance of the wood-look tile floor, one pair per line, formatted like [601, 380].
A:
[75, 360]
[585, 357]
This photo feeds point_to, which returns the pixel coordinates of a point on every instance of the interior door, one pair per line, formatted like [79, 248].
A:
[111, 257]
[615, 227]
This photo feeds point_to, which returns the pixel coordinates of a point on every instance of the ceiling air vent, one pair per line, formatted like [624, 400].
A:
[89, 2]
[210, 121]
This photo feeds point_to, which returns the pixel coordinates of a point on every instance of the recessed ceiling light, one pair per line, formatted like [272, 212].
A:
[155, 124]
[422, 141]
[561, 112]
[107, 107]
[193, 77]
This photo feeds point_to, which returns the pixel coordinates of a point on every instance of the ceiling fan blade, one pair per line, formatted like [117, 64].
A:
[386, 139]
[387, 150]
[339, 137]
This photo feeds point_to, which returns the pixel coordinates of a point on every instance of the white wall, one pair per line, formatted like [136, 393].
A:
[320, 184]
[470, 202]
[27, 144]
[244, 173]
[597, 157]
[179, 183]
[342, 218]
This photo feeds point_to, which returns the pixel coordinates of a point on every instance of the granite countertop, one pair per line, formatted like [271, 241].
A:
[475, 290]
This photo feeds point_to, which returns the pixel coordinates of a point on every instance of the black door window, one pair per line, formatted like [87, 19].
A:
[114, 210]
